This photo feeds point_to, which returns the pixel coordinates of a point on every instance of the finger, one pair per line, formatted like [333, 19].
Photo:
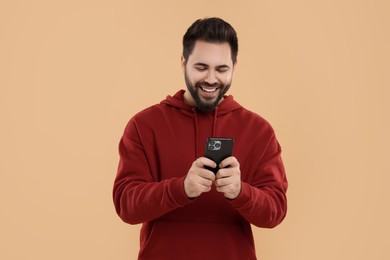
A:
[223, 189]
[229, 192]
[229, 161]
[220, 174]
[206, 182]
[207, 162]
[225, 173]
[222, 182]
[204, 178]
[198, 163]
[201, 162]
[200, 171]
[207, 174]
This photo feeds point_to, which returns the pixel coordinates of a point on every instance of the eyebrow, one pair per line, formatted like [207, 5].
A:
[206, 65]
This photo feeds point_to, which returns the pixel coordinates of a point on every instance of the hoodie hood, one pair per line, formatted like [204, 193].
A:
[227, 106]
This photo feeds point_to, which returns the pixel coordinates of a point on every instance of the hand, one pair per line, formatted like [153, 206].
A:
[228, 178]
[199, 179]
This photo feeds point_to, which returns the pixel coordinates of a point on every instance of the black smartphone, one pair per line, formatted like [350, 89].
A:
[218, 149]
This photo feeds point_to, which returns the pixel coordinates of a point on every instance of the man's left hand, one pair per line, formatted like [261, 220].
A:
[228, 178]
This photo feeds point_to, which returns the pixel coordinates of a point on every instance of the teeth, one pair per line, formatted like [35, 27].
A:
[209, 90]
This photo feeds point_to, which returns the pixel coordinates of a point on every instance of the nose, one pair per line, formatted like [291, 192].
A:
[210, 78]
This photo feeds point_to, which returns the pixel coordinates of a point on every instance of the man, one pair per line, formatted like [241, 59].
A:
[187, 211]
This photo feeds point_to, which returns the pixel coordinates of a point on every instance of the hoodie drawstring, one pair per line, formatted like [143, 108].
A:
[214, 127]
[215, 121]
[196, 132]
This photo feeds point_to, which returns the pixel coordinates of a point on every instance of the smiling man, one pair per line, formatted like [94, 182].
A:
[164, 181]
[208, 74]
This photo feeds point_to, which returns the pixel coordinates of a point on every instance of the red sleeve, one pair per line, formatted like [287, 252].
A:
[263, 202]
[137, 197]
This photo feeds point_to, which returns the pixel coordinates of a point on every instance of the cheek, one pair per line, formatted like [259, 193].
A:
[225, 79]
[197, 76]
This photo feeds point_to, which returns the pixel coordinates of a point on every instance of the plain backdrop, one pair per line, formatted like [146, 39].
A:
[72, 73]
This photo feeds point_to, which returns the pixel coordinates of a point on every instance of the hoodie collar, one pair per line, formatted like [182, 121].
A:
[226, 106]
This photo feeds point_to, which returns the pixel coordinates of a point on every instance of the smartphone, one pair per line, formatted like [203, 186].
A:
[218, 149]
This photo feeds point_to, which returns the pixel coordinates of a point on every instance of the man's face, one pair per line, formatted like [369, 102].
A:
[208, 74]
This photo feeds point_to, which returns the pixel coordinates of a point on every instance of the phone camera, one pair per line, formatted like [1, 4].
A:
[215, 145]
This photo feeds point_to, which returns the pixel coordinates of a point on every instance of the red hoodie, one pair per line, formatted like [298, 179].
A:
[156, 151]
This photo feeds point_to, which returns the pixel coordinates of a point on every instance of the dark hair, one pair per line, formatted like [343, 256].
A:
[213, 30]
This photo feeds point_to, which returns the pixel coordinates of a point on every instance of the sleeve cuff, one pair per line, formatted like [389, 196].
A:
[178, 193]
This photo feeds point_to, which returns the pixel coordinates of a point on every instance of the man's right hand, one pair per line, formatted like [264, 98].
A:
[199, 179]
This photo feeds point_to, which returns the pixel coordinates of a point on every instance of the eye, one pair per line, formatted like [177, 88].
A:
[201, 68]
[223, 69]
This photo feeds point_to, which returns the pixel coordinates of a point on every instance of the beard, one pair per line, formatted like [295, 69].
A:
[205, 104]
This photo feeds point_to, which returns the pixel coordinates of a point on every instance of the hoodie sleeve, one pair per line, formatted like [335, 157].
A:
[137, 197]
[263, 202]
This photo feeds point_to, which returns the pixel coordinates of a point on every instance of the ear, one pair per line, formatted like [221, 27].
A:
[183, 62]
[235, 64]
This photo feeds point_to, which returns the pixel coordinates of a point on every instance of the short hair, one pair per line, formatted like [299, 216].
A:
[214, 30]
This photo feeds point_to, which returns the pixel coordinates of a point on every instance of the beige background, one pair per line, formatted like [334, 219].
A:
[73, 72]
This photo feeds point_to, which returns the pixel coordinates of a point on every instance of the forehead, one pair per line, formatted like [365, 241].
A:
[213, 54]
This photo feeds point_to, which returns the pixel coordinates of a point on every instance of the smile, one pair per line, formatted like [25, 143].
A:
[208, 90]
